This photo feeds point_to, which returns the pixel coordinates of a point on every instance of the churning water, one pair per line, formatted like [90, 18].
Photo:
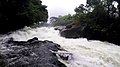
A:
[84, 53]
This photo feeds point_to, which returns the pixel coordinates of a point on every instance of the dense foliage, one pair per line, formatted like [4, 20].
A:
[61, 20]
[100, 19]
[15, 14]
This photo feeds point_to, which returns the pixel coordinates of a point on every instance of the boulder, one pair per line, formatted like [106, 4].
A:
[31, 53]
[70, 33]
[76, 31]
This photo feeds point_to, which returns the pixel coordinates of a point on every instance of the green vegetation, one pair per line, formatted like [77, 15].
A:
[100, 19]
[15, 14]
[61, 20]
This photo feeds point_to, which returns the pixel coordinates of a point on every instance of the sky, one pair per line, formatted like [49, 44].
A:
[61, 7]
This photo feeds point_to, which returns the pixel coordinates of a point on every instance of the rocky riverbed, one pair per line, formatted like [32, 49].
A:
[31, 53]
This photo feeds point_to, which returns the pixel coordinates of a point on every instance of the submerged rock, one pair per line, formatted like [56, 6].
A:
[31, 53]
[60, 28]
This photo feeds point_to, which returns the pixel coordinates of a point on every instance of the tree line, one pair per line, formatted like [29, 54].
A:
[15, 14]
[102, 19]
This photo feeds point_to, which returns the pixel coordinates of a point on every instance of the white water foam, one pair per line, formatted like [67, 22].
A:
[84, 53]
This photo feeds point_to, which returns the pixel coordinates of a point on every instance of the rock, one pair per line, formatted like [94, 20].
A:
[70, 33]
[76, 31]
[34, 39]
[60, 28]
[64, 55]
[31, 53]
[84, 30]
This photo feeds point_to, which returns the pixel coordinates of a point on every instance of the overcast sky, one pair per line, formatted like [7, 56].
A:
[62, 7]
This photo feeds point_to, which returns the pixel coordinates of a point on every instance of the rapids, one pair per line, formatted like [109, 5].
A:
[84, 53]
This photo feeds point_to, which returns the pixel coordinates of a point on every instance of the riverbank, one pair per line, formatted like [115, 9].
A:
[85, 31]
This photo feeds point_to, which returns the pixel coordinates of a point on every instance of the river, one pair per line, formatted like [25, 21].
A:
[85, 53]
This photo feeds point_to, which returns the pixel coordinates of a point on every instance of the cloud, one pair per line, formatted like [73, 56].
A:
[62, 7]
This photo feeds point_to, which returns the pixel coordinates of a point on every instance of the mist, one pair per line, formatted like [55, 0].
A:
[62, 7]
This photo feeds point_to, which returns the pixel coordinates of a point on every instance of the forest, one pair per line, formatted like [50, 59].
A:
[15, 14]
[98, 19]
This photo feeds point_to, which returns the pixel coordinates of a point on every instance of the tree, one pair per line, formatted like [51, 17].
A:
[80, 9]
[61, 20]
[15, 14]
[103, 20]
[118, 1]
